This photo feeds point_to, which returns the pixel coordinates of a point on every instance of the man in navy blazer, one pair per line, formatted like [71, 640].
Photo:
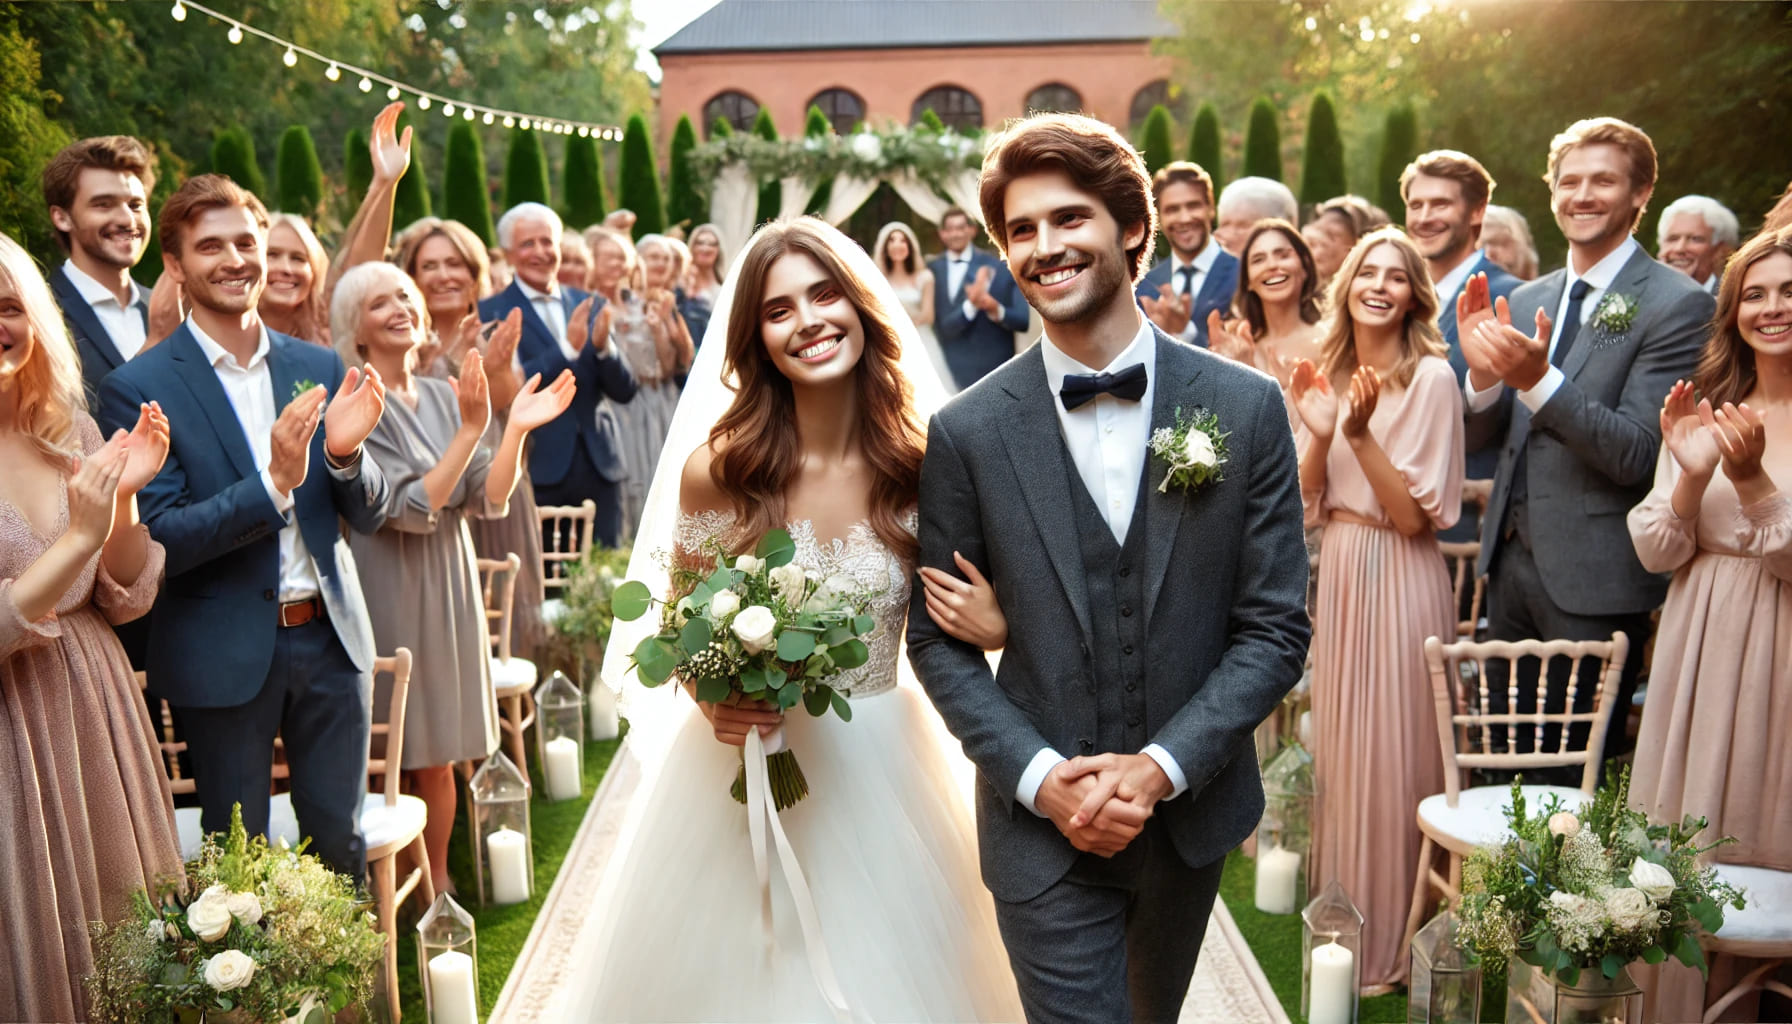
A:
[260, 628]
[579, 454]
[1199, 277]
[977, 308]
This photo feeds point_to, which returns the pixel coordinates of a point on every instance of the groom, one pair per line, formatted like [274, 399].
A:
[1149, 631]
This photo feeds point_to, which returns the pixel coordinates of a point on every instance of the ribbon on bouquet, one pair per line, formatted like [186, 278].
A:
[762, 815]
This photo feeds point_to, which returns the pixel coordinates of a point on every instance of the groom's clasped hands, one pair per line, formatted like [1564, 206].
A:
[1101, 802]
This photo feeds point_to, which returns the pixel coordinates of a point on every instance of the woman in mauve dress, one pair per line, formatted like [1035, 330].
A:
[86, 817]
[1381, 469]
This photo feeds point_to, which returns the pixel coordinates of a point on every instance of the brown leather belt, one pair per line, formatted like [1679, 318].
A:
[297, 613]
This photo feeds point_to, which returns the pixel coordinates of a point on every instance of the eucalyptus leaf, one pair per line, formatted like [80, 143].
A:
[1654, 955]
[1569, 974]
[713, 691]
[753, 680]
[863, 624]
[1610, 964]
[701, 594]
[1709, 914]
[789, 694]
[816, 701]
[795, 645]
[775, 549]
[656, 659]
[721, 579]
[695, 636]
[836, 635]
[316, 1016]
[841, 707]
[850, 654]
[1688, 951]
[631, 601]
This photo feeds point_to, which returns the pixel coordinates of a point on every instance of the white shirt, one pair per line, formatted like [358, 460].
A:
[124, 324]
[1201, 266]
[1450, 285]
[251, 393]
[958, 264]
[1599, 278]
[1107, 438]
[552, 312]
[1710, 283]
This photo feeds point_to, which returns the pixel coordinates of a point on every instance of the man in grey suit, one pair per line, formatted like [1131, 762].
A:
[1576, 408]
[1150, 628]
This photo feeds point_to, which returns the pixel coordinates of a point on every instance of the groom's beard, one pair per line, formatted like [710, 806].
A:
[1089, 292]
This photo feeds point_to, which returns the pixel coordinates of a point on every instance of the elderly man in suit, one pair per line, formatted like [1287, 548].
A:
[1575, 405]
[977, 308]
[1695, 236]
[1199, 276]
[261, 628]
[578, 455]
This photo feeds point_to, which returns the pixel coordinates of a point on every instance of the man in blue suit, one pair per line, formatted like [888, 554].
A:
[579, 454]
[260, 628]
[977, 308]
[1199, 278]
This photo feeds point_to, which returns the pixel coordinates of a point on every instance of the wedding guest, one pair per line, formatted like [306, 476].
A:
[1781, 215]
[579, 454]
[294, 302]
[575, 262]
[977, 308]
[258, 631]
[84, 798]
[436, 442]
[661, 269]
[651, 341]
[694, 313]
[1695, 235]
[898, 255]
[1569, 379]
[1278, 302]
[1245, 202]
[1506, 239]
[1381, 469]
[501, 274]
[1198, 277]
[704, 279]
[1333, 231]
[622, 220]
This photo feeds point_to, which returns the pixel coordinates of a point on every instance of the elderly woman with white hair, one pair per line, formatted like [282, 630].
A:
[1506, 236]
[655, 344]
[439, 446]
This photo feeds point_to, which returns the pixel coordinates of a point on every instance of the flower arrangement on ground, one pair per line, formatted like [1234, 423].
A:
[760, 626]
[587, 612]
[1593, 890]
[266, 933]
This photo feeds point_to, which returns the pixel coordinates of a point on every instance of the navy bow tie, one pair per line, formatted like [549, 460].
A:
[1081, 388]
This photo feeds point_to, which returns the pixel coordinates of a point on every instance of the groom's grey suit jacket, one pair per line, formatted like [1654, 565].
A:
[1224, 594]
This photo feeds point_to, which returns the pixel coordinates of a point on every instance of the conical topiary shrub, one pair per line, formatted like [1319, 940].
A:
[582, 182]
[771, 196]
[525, 169]
[1154, 139]
[1263, 142]
[721, 128]
[1322, 159]
[1204, 144]
[233, 155]
[357, 165]
[641, 179]
[818, 127]
[931, 121]
[299, 187]
[411, 202]
[684, 204]
[1399, 144]
[465, 195]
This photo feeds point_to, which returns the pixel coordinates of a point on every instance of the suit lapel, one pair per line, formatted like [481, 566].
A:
[1177, 371]
[1030, 431]
[1632, 282]
[202, 381]
[533, 325]
[88, 327]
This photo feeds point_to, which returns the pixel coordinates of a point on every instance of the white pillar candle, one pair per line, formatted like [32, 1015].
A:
[601, 702]
[561, 765]
[507, 852]
[1332, 986]
[452, 997]
[1278, 880]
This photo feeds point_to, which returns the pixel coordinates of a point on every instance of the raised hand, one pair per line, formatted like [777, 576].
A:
[1741, 436]
[966, 608]
[466, 339]
[144, 450]
[976, 290]
[1683, 432]
[578, 325]
[1502, 351]
[93, 492]
[356, 410]
[1365, 391]
[1234, 343]
[391, 153]
[289, 458]
[1475, 305]
[535, 406]
[474, 396]
[1168, 309]
[501, 348]
[167, 308]
[1313, 399]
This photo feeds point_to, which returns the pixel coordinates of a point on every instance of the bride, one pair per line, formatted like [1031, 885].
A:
[876, 909]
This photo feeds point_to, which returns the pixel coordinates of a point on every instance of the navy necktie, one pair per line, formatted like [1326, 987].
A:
[1571, 322]
[1187, 274]
[1081, 388]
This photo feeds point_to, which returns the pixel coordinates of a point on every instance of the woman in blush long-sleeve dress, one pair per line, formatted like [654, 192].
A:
[1713, 741]
[86, 816]
[446, 465]
[1382, 472]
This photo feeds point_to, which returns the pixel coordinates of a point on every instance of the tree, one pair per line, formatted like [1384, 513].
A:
[721, 129]
[299, 181]
[1399, 144]
[28, 139]
[233, 155]
[819, 127]
[411, 202]
[1263, 142]
[771, 197]
[357, 164]
[582, 182]
[525, 169]
[684, 204]
[465, 195]
[1322, 159]
[1204, 144]
[1155, 139]
[931, 121]
[641, 179]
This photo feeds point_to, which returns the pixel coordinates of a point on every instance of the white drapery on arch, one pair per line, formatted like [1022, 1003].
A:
[734, 199]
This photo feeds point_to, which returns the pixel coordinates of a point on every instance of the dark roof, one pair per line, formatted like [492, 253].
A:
[780, 25]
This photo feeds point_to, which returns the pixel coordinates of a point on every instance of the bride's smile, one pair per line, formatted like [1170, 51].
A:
[812, 332]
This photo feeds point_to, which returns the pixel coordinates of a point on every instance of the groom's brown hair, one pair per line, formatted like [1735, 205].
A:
[1091, 152]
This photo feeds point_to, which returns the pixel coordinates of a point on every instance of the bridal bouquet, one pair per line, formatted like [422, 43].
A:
[761, 626]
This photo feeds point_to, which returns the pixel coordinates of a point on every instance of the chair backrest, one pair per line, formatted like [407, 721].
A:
[566, 533]
[389, 766]
[1461, 557]
[170, 748]
[497, 588]
[1460, 691]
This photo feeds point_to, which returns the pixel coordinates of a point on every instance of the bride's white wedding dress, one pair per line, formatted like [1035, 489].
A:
[885, 839]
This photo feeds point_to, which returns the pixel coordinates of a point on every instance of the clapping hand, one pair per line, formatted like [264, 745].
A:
[976, 290]
[1741, 437]
[966, 608]
[535, 405]
[501, 348]
[1365, 391]
[1169, 310]
[144, 450]
[473, 394]
[1313, 399]
[355, 411]
[1495, 350]
[391, 153]
[167, 309]
[578, 326]
[289, 458]
[1683, 431]
[1235, 343]
[93, 492]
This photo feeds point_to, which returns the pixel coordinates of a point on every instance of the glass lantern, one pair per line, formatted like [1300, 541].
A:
[448, 960]
[1533, 996]
[1445, 982]
[600, 701]
[560, 736]
[1331, 957]
[503, 854]
[1285, 833]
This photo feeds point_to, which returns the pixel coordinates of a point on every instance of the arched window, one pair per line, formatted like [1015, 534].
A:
[1150, 96]
[737, 108]
[844, 109]
[1056, 98]
[958, 109]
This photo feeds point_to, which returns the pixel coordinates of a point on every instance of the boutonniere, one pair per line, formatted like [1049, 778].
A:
[1614, 315]
[1194, 450]
[299, 387]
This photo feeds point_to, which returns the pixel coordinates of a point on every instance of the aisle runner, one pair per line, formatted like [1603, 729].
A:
[1228, 987]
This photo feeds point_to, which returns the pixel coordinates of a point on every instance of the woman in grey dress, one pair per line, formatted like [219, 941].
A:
[437, 446]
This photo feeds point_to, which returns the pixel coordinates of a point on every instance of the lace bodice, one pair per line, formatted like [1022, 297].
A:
[861, 557]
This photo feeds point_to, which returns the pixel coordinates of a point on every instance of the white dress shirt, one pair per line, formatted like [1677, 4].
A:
[1599, 278]
[958, 265]
[1710, 283]
[1201, 266]
[124, 323]
[1450, 285]
[552, 311]
[251, 393]
[1107, 438]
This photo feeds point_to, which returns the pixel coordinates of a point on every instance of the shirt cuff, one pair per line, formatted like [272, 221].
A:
[1034, 777]
[282, 502]
[1480, 401]
[1178, 781]
[347, 471]
[1191, 330]
[970, 310]
[1539, 394]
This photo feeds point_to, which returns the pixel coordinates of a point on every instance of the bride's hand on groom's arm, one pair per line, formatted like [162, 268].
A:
[966, 609]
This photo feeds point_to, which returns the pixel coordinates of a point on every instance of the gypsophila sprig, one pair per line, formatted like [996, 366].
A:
[1591, 889]
[1193, 451]
[1614, 314]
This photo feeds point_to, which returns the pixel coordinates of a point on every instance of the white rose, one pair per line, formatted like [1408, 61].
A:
[209, 916]
[831, 592]
[244, 906]
[1198, 450]
[789, 580]
[724, 604]
[867, 147]
[1564, 824]
[229, 969]
[1629, 909]
[1655, 881]
[748, 564]
[755, 627]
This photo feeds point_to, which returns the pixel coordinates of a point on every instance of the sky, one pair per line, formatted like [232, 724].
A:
[659, 19]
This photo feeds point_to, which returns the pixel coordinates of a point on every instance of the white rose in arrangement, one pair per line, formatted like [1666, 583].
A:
[1564, 823]
[832, 591]
[1655, 881]
[748, 564]
[1567, 901]
[789, 580]
[867, 147]
[209, 916]
[756, 627]
[244, 906]
[724, 604]
[229, 969]
[1198, 450]
[1629, 909]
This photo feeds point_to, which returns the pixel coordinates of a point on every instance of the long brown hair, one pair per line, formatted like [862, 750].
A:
[755, 441]
[1726, 371]
[1419, 336]
[1249, 304]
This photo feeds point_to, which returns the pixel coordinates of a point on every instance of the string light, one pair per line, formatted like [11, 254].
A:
[488, 119]
[467, 112]
[291, 59]
[236, 34]
[392, 93]
[448, 110]
[332, 72]
[509, 122]
[366, 85]
[180, 11]
[423, 103]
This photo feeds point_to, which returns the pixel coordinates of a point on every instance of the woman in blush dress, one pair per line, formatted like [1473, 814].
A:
[1720, 685]
[1382, 471]
[86, 816]
[897, 255]
[436, 445]
[1278, 304]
